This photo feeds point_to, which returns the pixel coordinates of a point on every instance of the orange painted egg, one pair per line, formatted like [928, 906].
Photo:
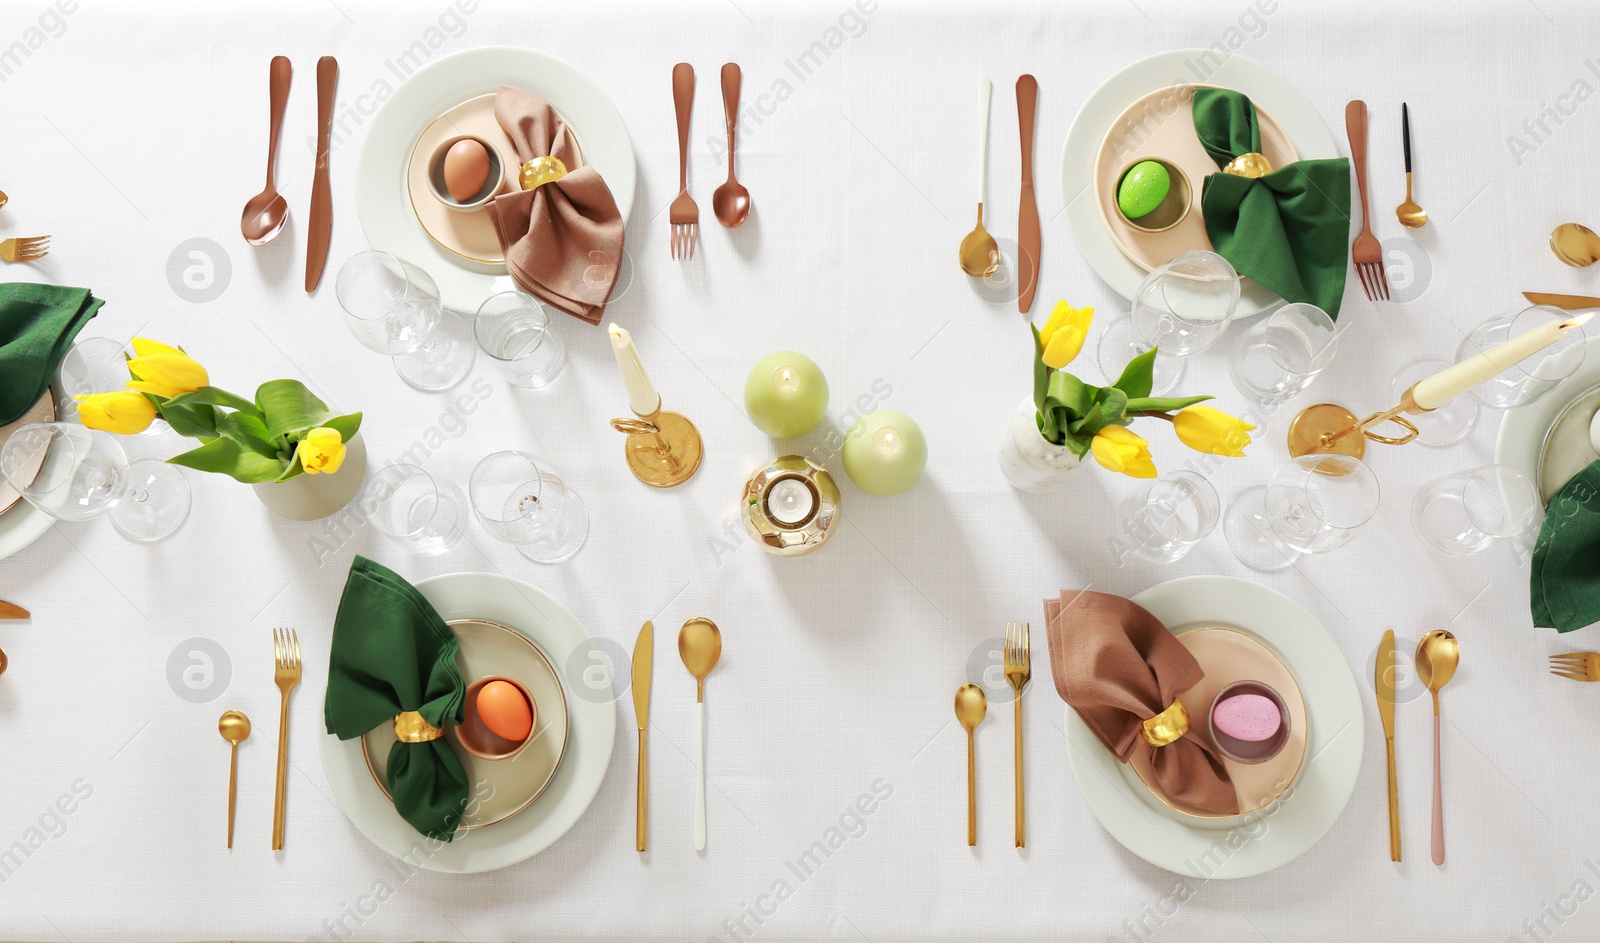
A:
[505, 711]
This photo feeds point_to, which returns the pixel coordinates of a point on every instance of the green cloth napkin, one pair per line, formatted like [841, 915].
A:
[1564, 587]
[1288, 230]
[391, 653]
[37, 326]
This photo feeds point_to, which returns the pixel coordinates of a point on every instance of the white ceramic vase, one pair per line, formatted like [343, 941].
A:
[313, 497]
[1029, 462]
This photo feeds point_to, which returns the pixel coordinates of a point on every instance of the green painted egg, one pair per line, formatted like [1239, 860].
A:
[1143, 188]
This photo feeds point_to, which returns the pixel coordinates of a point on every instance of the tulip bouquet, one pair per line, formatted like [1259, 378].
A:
[1094, 420]
[283, 432]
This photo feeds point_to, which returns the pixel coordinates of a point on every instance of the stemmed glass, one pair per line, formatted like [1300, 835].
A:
[95, 365]
[393, 307]
[1165, 517]
[1470, 511]
[1279, 355]
[514, 329]
[1527, 380]
[1181, 308]
[519, 499]
[74, 473]
[417, 510]
[1312, 504]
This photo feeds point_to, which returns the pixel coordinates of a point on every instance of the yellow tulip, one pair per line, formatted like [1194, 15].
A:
[1063, 335]
[1211, 430]
[163, 370]
[1119, 449]
[321, 451]
[123, 412]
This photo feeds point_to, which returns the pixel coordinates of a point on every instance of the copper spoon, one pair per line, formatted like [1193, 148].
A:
[980, 256]
[1410, 214]
[731, 201]
[267, 211]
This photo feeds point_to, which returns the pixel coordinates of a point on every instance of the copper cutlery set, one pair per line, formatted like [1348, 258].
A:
[1438, 655]
[1367, 253]
[972, 705]
[700, 648]
[266, 213]
[731, 201]
[979, 254]
[234, 727]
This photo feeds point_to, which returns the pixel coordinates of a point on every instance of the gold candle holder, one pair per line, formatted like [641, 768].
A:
[663, 449]
[1327, 429]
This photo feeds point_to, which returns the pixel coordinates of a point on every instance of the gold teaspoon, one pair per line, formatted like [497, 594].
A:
[980, 256]
[700, 645]
[1411, 215]
[1575, 245]
[971, 705]
[234, 727]
[1437, 656]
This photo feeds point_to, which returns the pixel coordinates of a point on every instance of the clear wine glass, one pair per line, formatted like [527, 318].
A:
[1525, 381]
[393, 307]
[1279, 355]
[519, 499]
[1181, 308]
[419, 511]
[514, 329]
[1470, 511]
[95, 365]
[1445, 424]
[74, 473]
[1164, 518]
[1312, 504]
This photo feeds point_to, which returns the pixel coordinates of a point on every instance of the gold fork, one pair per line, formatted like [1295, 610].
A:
[683, 214]
[1019, 669]
[1579, 666]
[26, 249]
[1367, 253]
[286, 674]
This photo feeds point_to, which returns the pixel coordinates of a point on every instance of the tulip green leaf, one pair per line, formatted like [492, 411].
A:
[1072, 393]
[212, 396]
[1138, 376]
[227, 457]
[346, 426]
[196, 421]
[1163, 404]
[288, 406]
[1041, 375]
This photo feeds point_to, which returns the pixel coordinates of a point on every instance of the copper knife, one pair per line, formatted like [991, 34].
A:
[10, 611]
[1383, 682]
[1566, 302]
[643, 658]
[1028, 237]
[321, 190]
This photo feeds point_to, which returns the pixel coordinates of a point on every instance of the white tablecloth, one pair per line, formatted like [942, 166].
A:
[131, 129]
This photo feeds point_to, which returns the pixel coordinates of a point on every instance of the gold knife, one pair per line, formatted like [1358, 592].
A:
[10, 611]
[321, 189]
[643, 658]
[1028, 237]
[1566, 302]
[1383, 682]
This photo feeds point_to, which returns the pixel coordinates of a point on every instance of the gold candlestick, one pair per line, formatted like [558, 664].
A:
[663, 449]
[1327, 429]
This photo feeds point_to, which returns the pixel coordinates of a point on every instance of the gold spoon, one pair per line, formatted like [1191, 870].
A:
[1575, 245]
[700, 645]
[979, 254]
[1411, 215]
[234, 727]
[1437, 656]
[971, 705]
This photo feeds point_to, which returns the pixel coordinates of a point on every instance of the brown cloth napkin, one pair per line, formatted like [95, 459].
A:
[563, 241]
[1117, 665]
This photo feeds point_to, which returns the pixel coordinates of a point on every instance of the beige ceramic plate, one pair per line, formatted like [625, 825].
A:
[1226, 656]
[1161, 124]
[469, 235]
[489, 649]
[42, 411]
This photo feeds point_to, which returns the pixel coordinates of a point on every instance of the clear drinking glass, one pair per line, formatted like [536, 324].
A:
[1165, 517]
[1467, 512]
[419, 511]
[95, 365]
[1182, 308]
[514, 329]
[73, 473]
[1279, 355]
[1312, 504]
[520, 500]
[1447, 423]
[393, 307]
[1527, 380]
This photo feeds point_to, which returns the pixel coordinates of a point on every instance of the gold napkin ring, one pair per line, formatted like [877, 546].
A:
[1249, 165]
[411, 727]
[1166, 726]
[540, 171]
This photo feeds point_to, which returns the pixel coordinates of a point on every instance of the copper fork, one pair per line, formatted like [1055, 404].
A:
[26, 249]
[1366, 253]
[683, 214]
[1019, 669]
[1579, 666]
[286, 674]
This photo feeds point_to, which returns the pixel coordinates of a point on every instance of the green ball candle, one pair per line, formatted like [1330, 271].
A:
[885, 452]
[786, 395]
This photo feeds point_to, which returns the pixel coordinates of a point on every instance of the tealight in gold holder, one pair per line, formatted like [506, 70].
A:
[663, 449]
[1328, 429]
[790, 506]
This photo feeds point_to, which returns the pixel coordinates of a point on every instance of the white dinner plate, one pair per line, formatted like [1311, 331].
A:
[1287, 104]
[382, 201]
[592, 734]
[1524, 429]
[1237, 846]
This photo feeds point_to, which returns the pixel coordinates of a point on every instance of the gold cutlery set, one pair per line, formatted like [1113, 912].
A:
[22, 249]
[1579, 666]
[700, 647]
[1438, 654]
[234, 727]
[972, 705]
